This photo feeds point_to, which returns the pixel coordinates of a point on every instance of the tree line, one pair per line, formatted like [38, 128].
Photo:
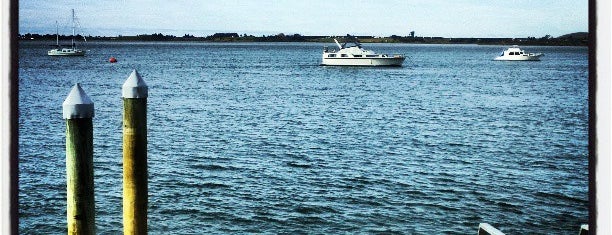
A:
[573, 39]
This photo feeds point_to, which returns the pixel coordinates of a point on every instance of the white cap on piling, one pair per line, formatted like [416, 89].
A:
[77, 104]
[134, 87]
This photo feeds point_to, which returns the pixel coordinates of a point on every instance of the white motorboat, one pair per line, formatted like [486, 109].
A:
[70, 51]
[515, 53]
[355, 55]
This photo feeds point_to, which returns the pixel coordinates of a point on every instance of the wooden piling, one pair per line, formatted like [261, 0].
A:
[584, 230]
[78, 110]
[135, 173]
[487, 229]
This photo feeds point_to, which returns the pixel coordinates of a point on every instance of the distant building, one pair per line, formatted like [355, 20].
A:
[225, 35]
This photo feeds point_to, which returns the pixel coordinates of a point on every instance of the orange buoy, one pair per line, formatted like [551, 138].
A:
[112, 60]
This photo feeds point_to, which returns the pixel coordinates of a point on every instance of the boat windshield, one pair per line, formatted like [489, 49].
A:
[502, 54]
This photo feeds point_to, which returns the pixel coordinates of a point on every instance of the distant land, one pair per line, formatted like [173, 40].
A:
[572, 39]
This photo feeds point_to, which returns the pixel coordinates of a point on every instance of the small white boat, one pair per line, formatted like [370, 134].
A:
[71, 51]
[515, 53]
[66, 52]
[357, 56]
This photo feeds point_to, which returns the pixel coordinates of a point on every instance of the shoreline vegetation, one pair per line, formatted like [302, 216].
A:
[572, 39]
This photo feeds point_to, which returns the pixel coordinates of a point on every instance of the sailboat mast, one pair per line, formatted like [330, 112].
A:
[73, 26]
[57, 34]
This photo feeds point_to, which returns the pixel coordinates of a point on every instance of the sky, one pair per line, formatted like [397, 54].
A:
[435, 18]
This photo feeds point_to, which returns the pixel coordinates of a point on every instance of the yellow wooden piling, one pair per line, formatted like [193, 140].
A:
[78, 112]
[135, 172]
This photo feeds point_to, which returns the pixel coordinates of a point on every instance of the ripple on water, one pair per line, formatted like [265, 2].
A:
[237, 145]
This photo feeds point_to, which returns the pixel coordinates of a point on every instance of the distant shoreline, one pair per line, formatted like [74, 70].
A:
[574, 39]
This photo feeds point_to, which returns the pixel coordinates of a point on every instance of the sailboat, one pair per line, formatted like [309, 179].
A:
[70, 51]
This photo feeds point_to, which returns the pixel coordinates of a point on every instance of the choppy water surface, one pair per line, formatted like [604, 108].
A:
[257, 138]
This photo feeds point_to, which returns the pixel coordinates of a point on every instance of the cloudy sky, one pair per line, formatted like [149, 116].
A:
[448, 18]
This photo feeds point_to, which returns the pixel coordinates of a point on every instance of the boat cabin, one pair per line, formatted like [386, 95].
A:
[513, 51]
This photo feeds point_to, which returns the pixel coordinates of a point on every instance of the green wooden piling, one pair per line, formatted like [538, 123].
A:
[135, 173]
[78, 110]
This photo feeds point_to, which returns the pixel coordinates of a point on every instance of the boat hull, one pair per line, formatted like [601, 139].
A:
[388, 61]
[66, 52]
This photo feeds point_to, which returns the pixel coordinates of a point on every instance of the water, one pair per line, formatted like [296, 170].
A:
[257, 138]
